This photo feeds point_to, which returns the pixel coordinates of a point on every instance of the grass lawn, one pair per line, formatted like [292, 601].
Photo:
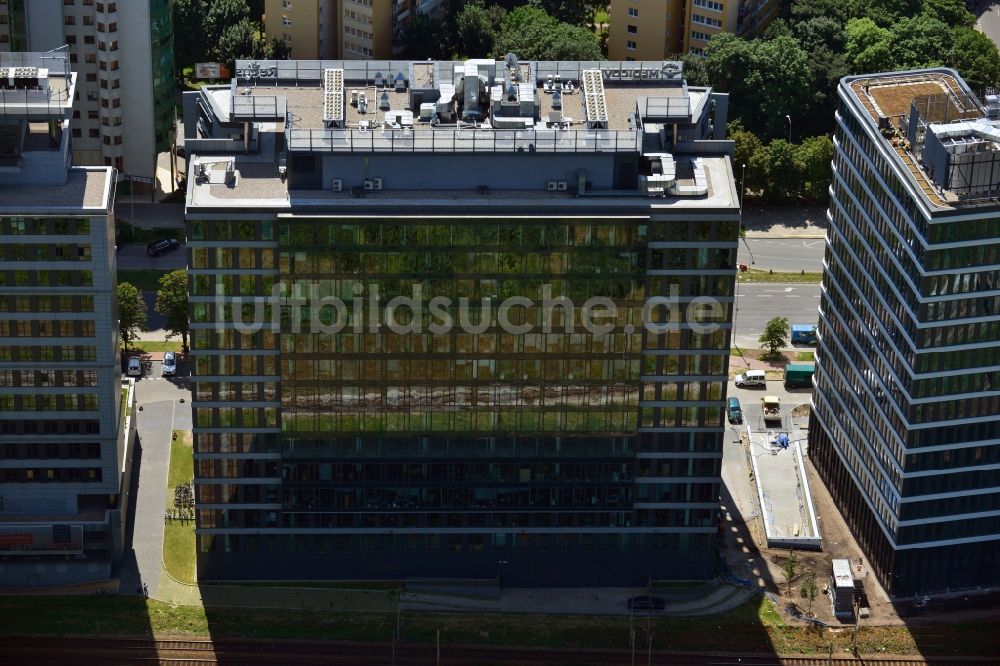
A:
[806, 356]
[155, 346]
[754, 627]
[754, 275]
[143, 280]
[178, 538]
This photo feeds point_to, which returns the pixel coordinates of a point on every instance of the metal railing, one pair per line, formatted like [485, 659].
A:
[463, 141]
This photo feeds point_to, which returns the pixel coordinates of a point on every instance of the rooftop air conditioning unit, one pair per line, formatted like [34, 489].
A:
[369, 184]
[338, 185]
[552, 186]
[561, 185]
[376, 183]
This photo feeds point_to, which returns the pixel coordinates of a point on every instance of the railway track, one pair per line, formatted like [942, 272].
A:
[131, 651]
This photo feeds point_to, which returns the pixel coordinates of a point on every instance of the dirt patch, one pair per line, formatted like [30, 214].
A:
[801, 411]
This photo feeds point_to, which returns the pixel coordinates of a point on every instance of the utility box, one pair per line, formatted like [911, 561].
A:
[842, 590]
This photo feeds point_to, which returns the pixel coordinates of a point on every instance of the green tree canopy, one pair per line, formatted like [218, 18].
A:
[132, 314]
[190, 38]
[172, 303]
[777, 163]
[950, 12]
[975, 56]
[574, 12]
[239, 41]
[424, 37]
[868, 47]
[222, 16]
[532, 34]
[775, 336]
[766, 79]
[476, 35]
[814, 156]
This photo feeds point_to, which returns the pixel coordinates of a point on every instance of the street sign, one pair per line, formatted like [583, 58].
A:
[209, 70]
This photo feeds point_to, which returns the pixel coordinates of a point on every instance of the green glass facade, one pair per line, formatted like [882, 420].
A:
[514, 430]
[161, 32]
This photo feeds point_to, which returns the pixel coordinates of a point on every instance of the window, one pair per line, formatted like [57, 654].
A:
[632, 29]
[630, 45]
[633, 12]
[94, 133]
[69, 20]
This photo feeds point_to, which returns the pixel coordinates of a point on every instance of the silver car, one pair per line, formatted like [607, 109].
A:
[169, 365]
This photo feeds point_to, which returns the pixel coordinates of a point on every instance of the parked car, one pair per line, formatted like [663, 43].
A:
[646, 603]
[169, 365]
[751, 378]
[134, 367]
[734, 410]
[161, 247]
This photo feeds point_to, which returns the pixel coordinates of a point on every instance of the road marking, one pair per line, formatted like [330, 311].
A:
[791, 296]
[813, 244]
[789, 289]
[765, 295]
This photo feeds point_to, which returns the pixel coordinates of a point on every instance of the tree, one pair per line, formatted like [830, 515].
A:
[190, 42]
[809, 589]
[172, 303]
[222, 16]
[132, 314]
[573, 12]
[814, 156]
[747, 146]
[975, 56]
[279, 49]
[239, 41]
[867, 46]
[775, 335]
[920, 41]
[424, 37]
[766, 79]
[476, 35]
[778, 166]
[951, 12]
[534, 35]
[788, 569]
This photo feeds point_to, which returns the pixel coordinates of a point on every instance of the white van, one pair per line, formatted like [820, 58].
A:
[751, 378]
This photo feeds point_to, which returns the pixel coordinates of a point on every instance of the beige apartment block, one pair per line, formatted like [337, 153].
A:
[655, 29]
[308, 27]
[122, 53]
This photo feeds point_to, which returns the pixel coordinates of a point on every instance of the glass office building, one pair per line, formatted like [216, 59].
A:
[64, 458]
[905, 429]
[403, 380]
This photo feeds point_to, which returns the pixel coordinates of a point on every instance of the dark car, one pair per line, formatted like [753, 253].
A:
[646, 603]
[734, 410]
[161, 247]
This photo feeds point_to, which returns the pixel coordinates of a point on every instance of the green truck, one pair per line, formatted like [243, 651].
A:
[799, 375]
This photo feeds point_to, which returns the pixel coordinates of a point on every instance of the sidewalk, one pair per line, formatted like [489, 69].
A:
[785, 221]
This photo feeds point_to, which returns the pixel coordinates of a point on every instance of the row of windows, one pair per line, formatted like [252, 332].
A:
[46, 450]
[706, 20]
[44, 278]
[47, 328]
[44, 226]
[47, 354]
[40, 378]
[45, 252]
[950, 529]
[50, 427]
[51, 475]
[948, 506]
[383, 543]
[48, 403]
[443, 447]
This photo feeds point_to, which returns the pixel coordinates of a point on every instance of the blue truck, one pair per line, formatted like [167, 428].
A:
[803, 334]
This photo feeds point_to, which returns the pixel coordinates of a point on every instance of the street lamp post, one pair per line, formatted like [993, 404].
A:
[789, 119]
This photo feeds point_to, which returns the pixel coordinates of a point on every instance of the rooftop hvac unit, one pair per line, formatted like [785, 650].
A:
[552, 186]
[376, 184]
[369, 184]
[561, 185]
[354, 98]
[338, 185]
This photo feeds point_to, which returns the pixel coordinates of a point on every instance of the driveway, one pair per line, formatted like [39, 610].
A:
[162, 413]
[131, 257]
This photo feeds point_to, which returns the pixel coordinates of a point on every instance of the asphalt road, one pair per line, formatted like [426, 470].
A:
[134, 257]
[783, 254]
[150, 215]
[756, 304]
[988, 14]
